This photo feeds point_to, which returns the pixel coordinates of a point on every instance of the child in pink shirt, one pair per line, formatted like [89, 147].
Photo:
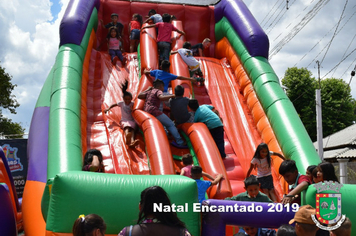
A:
[114, 45]
[165, 29]
[187, 160]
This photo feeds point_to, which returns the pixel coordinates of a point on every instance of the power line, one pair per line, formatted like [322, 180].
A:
[269, 12]
[310, 15]
[278, 14]
[335, 31]
[345, 53]
[339, 63]
[280, 18]
[272, 13]
[322, 39]
[348, 67]
[329, 41]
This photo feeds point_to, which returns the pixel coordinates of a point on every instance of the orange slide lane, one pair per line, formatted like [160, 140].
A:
[203, 144]
[258, 123]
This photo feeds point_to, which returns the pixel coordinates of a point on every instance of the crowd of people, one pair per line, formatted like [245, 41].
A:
[258, 188]
[164, 26]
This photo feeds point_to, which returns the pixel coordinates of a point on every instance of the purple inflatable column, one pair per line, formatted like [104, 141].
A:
[219, 213]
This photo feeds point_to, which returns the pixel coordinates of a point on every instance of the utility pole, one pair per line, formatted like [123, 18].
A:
[319, 122]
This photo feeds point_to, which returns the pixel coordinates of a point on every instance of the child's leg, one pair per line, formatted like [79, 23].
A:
[112, 54]
[272, 195]
[132, 45]
[164, 49]
[168, 123]
[130, 141]
[128, 134]
[218, 136]
[198, 72]
[119, 55]
[136, 44]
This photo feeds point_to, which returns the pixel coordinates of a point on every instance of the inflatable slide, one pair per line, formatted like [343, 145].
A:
[69, 119]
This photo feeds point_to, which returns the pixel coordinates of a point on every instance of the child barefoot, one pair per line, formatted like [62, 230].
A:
[262, 160]
[114, 45]
[134, 29]
[127, 121]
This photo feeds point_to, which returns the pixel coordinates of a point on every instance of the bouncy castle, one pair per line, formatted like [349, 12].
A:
[69, 119]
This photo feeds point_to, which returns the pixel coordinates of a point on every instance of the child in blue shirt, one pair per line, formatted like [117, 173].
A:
[208, 115]
[165, 76]
[203, 185]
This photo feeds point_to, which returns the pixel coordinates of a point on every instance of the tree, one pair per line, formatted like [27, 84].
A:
[301, 91]
[338, 106]
[8, 101]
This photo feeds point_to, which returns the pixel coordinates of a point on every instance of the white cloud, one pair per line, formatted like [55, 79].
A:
[29, 44]
[317, 32]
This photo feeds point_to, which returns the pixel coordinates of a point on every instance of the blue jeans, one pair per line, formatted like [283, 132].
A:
[117, 53]
[169, 125]
[164, 50]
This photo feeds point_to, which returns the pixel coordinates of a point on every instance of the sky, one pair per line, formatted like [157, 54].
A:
[299, 36]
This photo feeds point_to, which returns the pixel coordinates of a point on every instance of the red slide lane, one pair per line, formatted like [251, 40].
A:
[103, 130]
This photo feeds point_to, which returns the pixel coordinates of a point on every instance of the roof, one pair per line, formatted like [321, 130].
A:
[341, 144]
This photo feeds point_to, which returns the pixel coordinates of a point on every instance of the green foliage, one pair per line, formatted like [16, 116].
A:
[338, 107]
[337, 104]
[9, 127]
[8, 101]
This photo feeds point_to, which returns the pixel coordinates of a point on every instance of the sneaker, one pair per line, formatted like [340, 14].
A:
[175, 144]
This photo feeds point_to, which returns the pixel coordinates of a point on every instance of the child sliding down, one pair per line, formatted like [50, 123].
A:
[114, 46]
[127, 121]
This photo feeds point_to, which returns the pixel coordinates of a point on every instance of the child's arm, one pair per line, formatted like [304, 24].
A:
[208, 176]
[174, 52]
[143, 94]
[252, 166]
[102, 23]
[148, 26]
[166, 97]
[147, 20]
[278, 154]
[200, 52]
[182, 172]
[292, 194]
[187, 78]
[147, 71]
[181, 32]
[113, 105]
[95, 164]
[217, 113]
[217, 179]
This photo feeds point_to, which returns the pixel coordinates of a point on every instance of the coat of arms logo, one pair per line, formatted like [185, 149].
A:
[328, 206]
